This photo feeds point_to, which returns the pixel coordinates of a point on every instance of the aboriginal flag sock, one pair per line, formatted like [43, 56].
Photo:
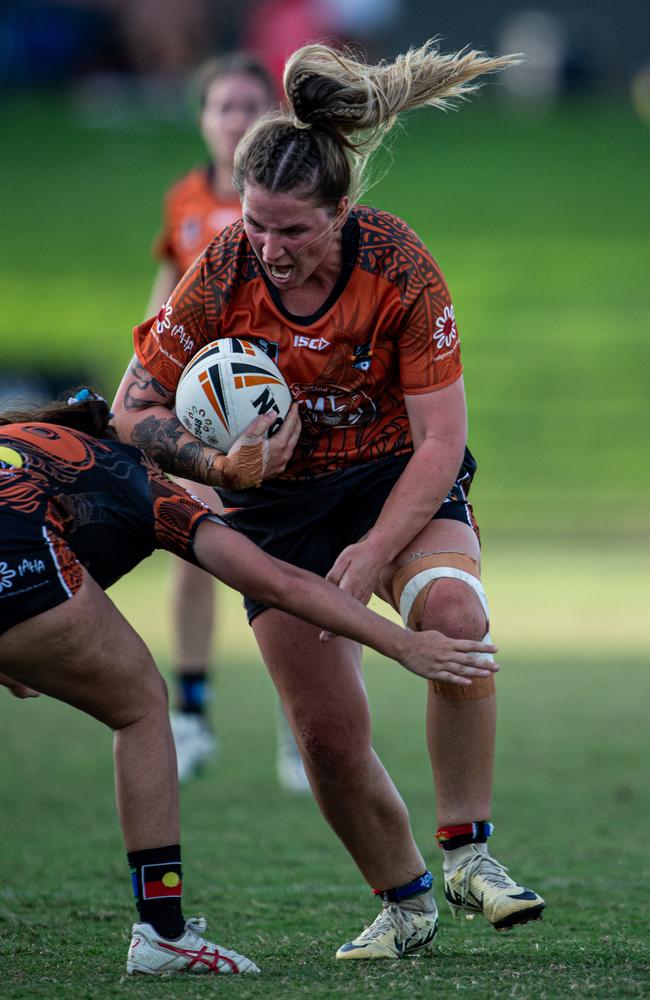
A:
[192, 690]
[157, 878]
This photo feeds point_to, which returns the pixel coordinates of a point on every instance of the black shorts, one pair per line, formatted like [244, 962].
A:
[309, 523]
[37, 568]
[69, 501]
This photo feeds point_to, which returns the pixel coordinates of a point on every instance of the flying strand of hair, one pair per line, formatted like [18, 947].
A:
[339, 90]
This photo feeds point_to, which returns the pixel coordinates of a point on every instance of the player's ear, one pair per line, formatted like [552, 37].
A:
[342, 212]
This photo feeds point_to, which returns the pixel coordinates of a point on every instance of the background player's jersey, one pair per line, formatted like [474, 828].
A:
[75, 499]
[386, 329]
[192, 214]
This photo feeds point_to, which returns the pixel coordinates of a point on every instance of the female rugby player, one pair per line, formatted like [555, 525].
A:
[79, 509]
[374, 495]
[233, 91]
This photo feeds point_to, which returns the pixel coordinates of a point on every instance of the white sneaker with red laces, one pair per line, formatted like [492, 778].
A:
[153, 955]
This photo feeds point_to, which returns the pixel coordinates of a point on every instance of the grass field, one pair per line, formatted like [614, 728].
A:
[571, 810]
[540, 224]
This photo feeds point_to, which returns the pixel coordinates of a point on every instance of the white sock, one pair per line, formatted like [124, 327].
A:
[452, 859]
[422, 903]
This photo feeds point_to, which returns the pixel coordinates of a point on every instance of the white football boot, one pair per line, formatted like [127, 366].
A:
[195, 743]
[395, 933]
[479, 884]
[289, 766]
[153, 955]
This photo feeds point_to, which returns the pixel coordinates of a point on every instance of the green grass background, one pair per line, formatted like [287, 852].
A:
[540, 224]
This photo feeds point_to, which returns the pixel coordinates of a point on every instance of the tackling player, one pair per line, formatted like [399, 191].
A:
[78, 510]
[356, 313]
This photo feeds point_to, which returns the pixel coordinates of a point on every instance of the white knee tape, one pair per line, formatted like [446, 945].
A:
[420, 580]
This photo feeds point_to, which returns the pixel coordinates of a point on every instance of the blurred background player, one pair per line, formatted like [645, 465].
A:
[233, 91]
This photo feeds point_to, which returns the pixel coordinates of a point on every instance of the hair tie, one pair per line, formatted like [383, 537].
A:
[83, 395]
[298, 124]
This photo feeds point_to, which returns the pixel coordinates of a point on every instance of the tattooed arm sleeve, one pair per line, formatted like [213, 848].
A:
[143, 416]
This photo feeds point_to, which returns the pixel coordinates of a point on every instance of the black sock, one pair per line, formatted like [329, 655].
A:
[192, 690]
[157, 879]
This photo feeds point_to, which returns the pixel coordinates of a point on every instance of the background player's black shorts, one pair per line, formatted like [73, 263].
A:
[309, 523]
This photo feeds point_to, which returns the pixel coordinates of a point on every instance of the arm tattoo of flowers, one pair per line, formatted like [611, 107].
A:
[144, 382]
[160, 437]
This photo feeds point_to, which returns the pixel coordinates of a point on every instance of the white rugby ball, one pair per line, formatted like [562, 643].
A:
[226, 385]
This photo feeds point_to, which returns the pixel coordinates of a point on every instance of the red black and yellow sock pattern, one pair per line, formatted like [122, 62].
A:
[157, 878]
[451, 837]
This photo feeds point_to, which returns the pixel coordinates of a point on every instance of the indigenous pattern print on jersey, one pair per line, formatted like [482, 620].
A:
[69, 500]
[387, 329]
[192, 215]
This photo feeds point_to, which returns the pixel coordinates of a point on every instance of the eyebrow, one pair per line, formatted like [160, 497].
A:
[285, 229]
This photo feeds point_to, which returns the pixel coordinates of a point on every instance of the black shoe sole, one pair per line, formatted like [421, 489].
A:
[522, 917]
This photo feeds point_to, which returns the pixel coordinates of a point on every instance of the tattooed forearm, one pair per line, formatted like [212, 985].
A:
[143, 382]
[144, 416]
[160, 438]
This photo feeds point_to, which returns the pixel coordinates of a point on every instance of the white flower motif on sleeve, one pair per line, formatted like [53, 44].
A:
[6, 576]
[164, 322]
[445, 332]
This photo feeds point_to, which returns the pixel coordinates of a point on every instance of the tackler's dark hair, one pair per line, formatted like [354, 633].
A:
[82, 410]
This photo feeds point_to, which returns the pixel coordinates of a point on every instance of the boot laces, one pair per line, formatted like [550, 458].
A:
[198, 925]
[494, 873]
[392, 917]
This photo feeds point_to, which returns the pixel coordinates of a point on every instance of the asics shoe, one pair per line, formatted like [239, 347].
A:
[289, 766]
[153, 955]
[195, 743]
[395, 933]
[481, 885]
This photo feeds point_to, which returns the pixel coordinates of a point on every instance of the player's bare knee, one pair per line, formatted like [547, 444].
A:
[451, 607]
[443, 591]
[148, 702]
[334, 757]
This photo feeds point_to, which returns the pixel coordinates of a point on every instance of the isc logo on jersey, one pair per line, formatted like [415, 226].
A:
[226, 385]
[313, 343]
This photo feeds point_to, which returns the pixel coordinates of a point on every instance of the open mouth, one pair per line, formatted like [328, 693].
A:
[280, 273]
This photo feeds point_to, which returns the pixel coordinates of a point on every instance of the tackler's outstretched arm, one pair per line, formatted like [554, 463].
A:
[231, 557]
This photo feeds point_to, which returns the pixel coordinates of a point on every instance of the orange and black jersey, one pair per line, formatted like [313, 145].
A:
[387, 329]
[69, 500]
[192, 214]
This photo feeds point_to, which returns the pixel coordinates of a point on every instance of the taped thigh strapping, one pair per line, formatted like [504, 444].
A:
[411, 586]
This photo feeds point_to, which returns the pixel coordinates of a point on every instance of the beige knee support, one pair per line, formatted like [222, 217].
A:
[411, 585]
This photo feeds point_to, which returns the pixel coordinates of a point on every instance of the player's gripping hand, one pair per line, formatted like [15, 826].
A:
[437, 657]
[254, 456]
[18, 690]
[356, 571]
